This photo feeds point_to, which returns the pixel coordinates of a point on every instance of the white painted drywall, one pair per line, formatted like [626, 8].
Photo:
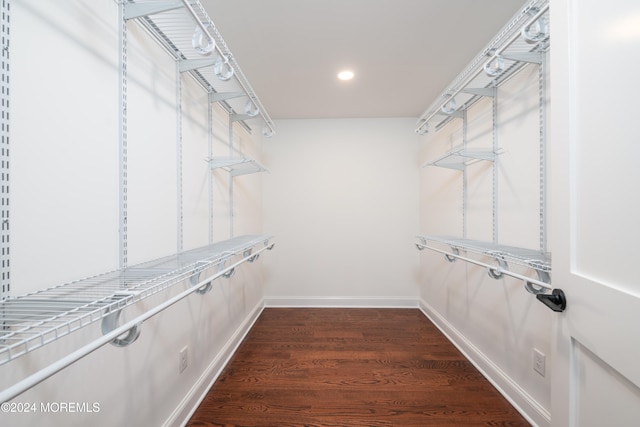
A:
[342, 198]
[64, 110]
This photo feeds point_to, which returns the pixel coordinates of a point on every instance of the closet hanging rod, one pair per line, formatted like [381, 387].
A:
[426, 117]
[198, 22]
[556, 300]
[495, 268]
[50, 370]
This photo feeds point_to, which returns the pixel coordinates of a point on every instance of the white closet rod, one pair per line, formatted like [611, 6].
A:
[198, 22]
[498, 51]
[54, 368]
[495, 268]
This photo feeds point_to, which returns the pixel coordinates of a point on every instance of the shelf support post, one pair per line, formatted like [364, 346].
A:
[494, 133]
[543, 153]
[231, 177]
[210, 150]
[179, 195]
[122, 118]
[464, 176]
[5, 281]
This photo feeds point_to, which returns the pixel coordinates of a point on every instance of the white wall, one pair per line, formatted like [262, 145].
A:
[64, 195]
[342, 200]
[64, 110]
[496, 322]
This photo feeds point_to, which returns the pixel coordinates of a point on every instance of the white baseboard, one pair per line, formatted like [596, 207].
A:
[192, 400]
[348, 302]
[521, 400]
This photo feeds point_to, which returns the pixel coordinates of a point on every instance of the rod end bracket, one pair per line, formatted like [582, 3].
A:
[556, 301]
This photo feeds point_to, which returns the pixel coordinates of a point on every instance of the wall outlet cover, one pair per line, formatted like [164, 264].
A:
[539, 361]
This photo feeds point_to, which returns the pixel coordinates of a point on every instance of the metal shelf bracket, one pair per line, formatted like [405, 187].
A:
[543, 276]
[452, 258]
[194, 64]
[480, 91]
[111, 321]
[223, 96]
[457, 114]
[497, 273]
[241, 117]
[138, 10]
[195, 278]
[529, 57]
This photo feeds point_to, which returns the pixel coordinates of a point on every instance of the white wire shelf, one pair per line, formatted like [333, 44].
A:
[31, 321]
[513, 255]
[472, 251]
[237, 166]
[185, 30]
[514, 47]
[460, 157]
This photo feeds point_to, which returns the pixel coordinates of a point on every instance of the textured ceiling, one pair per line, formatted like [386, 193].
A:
[404, 52]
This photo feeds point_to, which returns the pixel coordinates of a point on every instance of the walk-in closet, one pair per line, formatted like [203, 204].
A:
[340, 212]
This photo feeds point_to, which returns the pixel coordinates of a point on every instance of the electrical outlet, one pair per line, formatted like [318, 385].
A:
[538, 361]
[184, 360]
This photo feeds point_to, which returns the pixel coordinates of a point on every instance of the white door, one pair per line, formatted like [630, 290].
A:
[594, 152]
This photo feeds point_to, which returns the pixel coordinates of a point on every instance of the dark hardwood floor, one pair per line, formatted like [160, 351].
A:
[351, 367]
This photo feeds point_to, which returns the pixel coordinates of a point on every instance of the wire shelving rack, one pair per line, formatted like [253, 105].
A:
[522, 41]
[186, 31]
[509, 49]
[31, 321]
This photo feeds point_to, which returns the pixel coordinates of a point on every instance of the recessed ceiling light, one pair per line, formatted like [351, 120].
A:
[345, 75]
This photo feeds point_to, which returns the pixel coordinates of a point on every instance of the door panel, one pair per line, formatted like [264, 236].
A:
[594, 146]
[605, 60]
[601, 393]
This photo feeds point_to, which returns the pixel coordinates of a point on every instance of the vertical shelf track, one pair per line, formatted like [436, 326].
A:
[179, 178]
[465, 176]
[495, 168]
[231, 180]
[542, 82]
[4, 230]
[210, 154]
[123, 208]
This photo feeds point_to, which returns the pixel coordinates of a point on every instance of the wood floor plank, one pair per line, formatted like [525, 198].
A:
[350, 367]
